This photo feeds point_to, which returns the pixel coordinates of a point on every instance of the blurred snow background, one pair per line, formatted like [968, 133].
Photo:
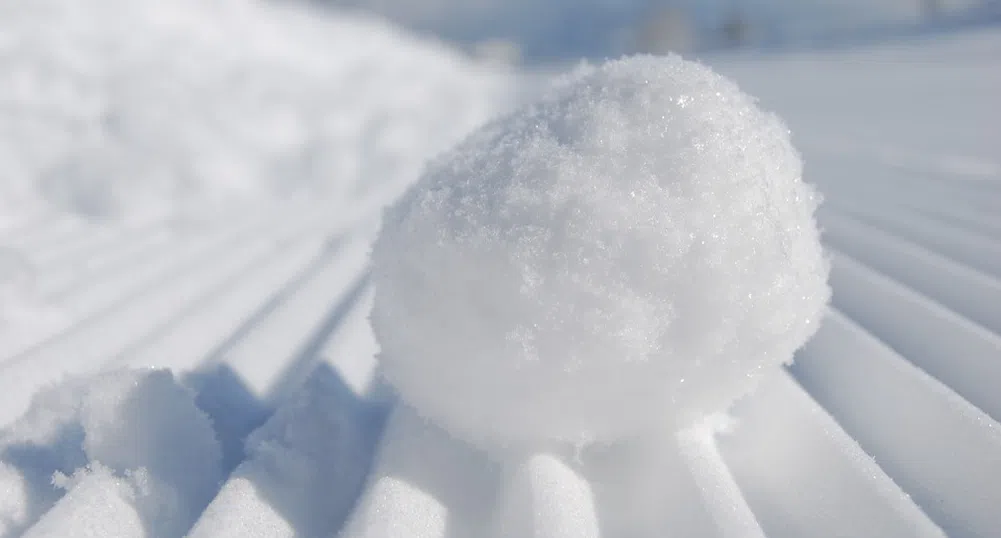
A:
[138, 110]
[568, 29]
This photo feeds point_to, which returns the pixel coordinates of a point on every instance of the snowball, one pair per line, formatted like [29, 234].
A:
[633, 249]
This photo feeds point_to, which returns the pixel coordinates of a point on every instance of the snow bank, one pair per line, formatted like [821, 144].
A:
[134, 440]
[147, 108]
[633, 249]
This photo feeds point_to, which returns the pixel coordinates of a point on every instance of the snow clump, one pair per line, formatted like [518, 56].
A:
[138, 430]
[630, 252]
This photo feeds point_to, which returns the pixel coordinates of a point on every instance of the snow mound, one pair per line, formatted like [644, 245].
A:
[633, 249]
[136, 434]
[123, 108]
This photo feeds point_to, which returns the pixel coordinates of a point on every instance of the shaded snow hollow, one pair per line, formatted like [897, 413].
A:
[630, 252]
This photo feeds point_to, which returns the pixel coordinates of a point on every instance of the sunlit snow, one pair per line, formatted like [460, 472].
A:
[586, 310]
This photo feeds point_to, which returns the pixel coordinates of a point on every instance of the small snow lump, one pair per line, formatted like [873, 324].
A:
[628, 253]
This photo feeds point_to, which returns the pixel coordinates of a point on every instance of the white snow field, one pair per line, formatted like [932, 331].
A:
[189, 195]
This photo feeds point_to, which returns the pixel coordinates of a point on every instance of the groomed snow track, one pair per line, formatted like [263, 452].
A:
[887, 424]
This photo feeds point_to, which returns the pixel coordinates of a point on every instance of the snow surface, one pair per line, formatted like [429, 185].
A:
[124, 109]
[274, 422]
[630, 252]
[133, 439]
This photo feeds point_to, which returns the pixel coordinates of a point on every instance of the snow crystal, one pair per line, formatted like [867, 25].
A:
[134, 435]
[631, 250]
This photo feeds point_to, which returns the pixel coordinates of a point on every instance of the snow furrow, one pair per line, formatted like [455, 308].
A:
[909, 423]
[804, 476]
[646, 488]
[277, 418]
[890, 189]
[125, 285]
[958, 287]
[120, 287]
[956, 351]
[193, 338]
[974, 250]
[91, 344]
[262, 357]
[61, 280]
[93, 237]
[304, 469]
[48, 233]
[351, 348]
[425, 484]
[144, 270]
[99, 505]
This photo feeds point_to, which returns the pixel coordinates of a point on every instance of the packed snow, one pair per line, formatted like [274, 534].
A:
[190, 191]
[630, 252]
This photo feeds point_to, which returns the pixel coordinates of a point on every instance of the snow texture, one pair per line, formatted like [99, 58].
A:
[544, 498]
[134, 436]
[630, 252]
[140, 109]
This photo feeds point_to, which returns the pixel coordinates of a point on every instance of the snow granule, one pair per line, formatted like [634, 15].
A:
[629, 252]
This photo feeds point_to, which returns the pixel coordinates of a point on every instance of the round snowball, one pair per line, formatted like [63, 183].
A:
[630, 252]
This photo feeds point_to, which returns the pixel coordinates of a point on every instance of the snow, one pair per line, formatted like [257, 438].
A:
[628, 253]
[132, 442]
[135, 110]
[424, 484]
[253, 286]
[303, 469]
[15, 284]
[97, 504]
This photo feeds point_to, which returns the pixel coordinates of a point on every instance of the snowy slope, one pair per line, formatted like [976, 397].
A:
[886, 425]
